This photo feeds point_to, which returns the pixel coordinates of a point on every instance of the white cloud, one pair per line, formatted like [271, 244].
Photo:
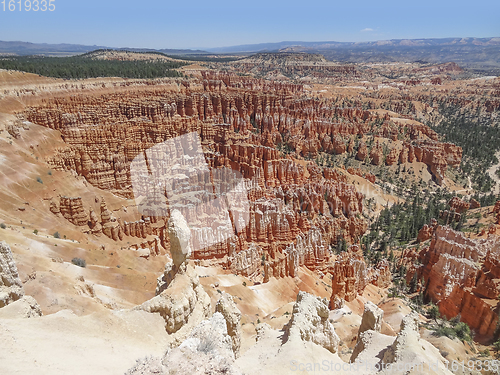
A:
[367, 30]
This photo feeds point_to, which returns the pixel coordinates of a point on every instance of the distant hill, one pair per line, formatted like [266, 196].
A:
[482, 54]
[479, 54]
[26, 48]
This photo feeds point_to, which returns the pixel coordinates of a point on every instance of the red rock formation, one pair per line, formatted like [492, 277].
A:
[427, 230]
[393, 157]
[449, 216]
[458, 205]
[370, 177]
[462, 277]
[362, 152]
[297, 210]
[72, 210]
[350, 277]
[376, 154]
[474, 204]
[382, 276]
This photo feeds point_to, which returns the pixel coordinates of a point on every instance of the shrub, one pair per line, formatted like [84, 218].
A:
[244, 283]
[445, 331]
[38, 179]
[35, 231]
[497, 345]
[3, 226]
[49, 173]
[57, 235]
[79, 262]
[434, 312]
[463, 332]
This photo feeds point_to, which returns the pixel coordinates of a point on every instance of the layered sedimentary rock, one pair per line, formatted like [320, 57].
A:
[461, 276]
[496, 210]
[26, 307]
[351, 275]
[474, 204]
[381, 274]
[207, 350]
[426, 231]
[72, 210]
[369, 330]
[247, 126]
[409, 348]
[407, 353]
[13, 303]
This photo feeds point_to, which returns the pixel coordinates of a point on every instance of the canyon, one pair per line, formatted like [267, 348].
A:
[222, 217]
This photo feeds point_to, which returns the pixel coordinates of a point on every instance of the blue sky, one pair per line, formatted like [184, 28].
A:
[217, 23]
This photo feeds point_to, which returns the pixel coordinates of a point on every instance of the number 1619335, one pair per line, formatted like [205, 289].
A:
[28, 5]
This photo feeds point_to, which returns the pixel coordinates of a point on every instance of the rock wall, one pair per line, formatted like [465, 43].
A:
[461, 277]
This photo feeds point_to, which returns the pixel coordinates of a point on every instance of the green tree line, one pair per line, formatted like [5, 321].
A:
[78, 67]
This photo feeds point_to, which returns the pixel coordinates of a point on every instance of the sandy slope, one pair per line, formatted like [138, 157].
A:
[105, 342]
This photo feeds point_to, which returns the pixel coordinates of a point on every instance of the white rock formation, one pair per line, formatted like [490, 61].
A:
[26, 307]
[226, 306]
[372, 318]
[207, 350]
[11, 288]
[181, 299]
[406, 354]
[179, 235]
[310, 322]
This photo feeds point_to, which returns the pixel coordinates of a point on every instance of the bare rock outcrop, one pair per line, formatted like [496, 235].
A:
[409, 348]
[372, 318]
[407, 339]
[179, 234]
[474, 204]
[458, 205]
[11, 288]
[425, 233]
[240, 122]
[226, 306]
[207, 350]
[25, 307]
[181, 299]
[461, 277]
[310, 322]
